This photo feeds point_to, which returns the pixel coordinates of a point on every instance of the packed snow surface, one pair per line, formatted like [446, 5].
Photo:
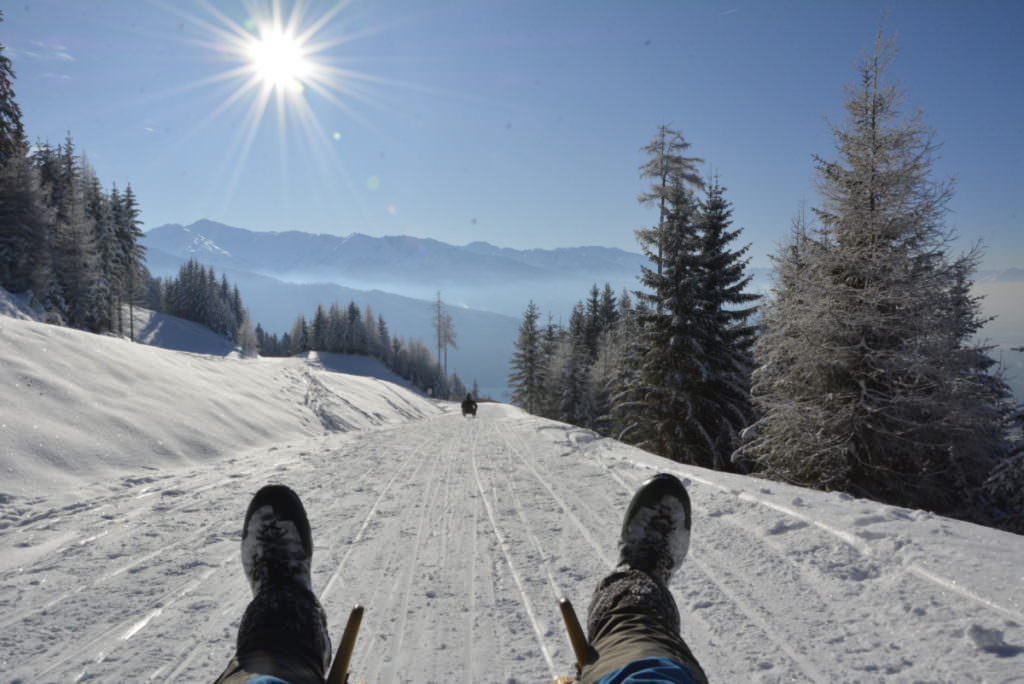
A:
[126, 471]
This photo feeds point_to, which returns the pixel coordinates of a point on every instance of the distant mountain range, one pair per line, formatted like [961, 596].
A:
[487, 288]
[478, 275]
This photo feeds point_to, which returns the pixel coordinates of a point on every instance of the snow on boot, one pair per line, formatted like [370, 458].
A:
[277, 545]
[656, 529]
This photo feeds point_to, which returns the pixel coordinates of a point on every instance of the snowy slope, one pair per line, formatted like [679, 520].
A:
[457, 534]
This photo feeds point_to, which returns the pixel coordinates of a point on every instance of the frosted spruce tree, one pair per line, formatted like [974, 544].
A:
[867, 380]
[569, 376]
[527, 377]
[667, 167]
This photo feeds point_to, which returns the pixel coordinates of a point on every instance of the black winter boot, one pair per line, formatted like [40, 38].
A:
[284, 629]
[656, 529]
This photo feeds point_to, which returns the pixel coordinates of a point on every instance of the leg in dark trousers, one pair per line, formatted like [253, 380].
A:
[281, 635]
[633, 622]
[633, 617]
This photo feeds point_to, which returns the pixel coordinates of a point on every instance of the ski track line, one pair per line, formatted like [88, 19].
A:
[124, 532]
[594, 544]
[538, 632]
[471, 617]
[450, 532]
[865, 549]
[556, 591]
[397, 603]
[170, 483]
[728, 568]
[134, 625]
[495, 571]
[126, 629]
[431, 521]
[408, 460]
[951, 585]
[428, 500]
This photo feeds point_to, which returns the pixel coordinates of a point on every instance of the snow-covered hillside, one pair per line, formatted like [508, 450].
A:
[126, 470]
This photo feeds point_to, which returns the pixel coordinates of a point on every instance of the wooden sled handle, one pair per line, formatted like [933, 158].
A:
[339, 669]
[577, 638]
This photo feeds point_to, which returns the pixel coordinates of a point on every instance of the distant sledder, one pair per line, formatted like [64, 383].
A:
[633, 620]
[469, 406]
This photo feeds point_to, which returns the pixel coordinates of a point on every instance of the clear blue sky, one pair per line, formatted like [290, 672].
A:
[518, 122]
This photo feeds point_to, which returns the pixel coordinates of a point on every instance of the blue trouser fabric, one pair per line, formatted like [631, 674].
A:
[650, 671]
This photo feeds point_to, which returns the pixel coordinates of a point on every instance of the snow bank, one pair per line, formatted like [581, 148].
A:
[77, 407]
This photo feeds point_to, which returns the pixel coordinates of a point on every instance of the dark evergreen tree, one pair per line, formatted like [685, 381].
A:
[671, 364]
[527, 378]
[131, 253]
[570, 376]
[608, 312]
[724, 329]
[385, 340]
[12, 132]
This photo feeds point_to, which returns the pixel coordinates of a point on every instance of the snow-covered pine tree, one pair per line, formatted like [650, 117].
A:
[550, 335]
[336, 322]
[75, 239]
[570, 377]
[12, 132]
[300, 335]
[1003, 491]
[370, 328]
[246, 337]
[128, 228]
[625, 393]
[867, 380]
[26, 219]
[667, 167]
[603, 373]
[100, 218]
[527, 377]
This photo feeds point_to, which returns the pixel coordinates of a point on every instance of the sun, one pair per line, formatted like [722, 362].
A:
[287, 60]
[279, 59]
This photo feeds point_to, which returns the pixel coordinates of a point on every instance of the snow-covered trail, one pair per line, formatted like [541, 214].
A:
[459, 535]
